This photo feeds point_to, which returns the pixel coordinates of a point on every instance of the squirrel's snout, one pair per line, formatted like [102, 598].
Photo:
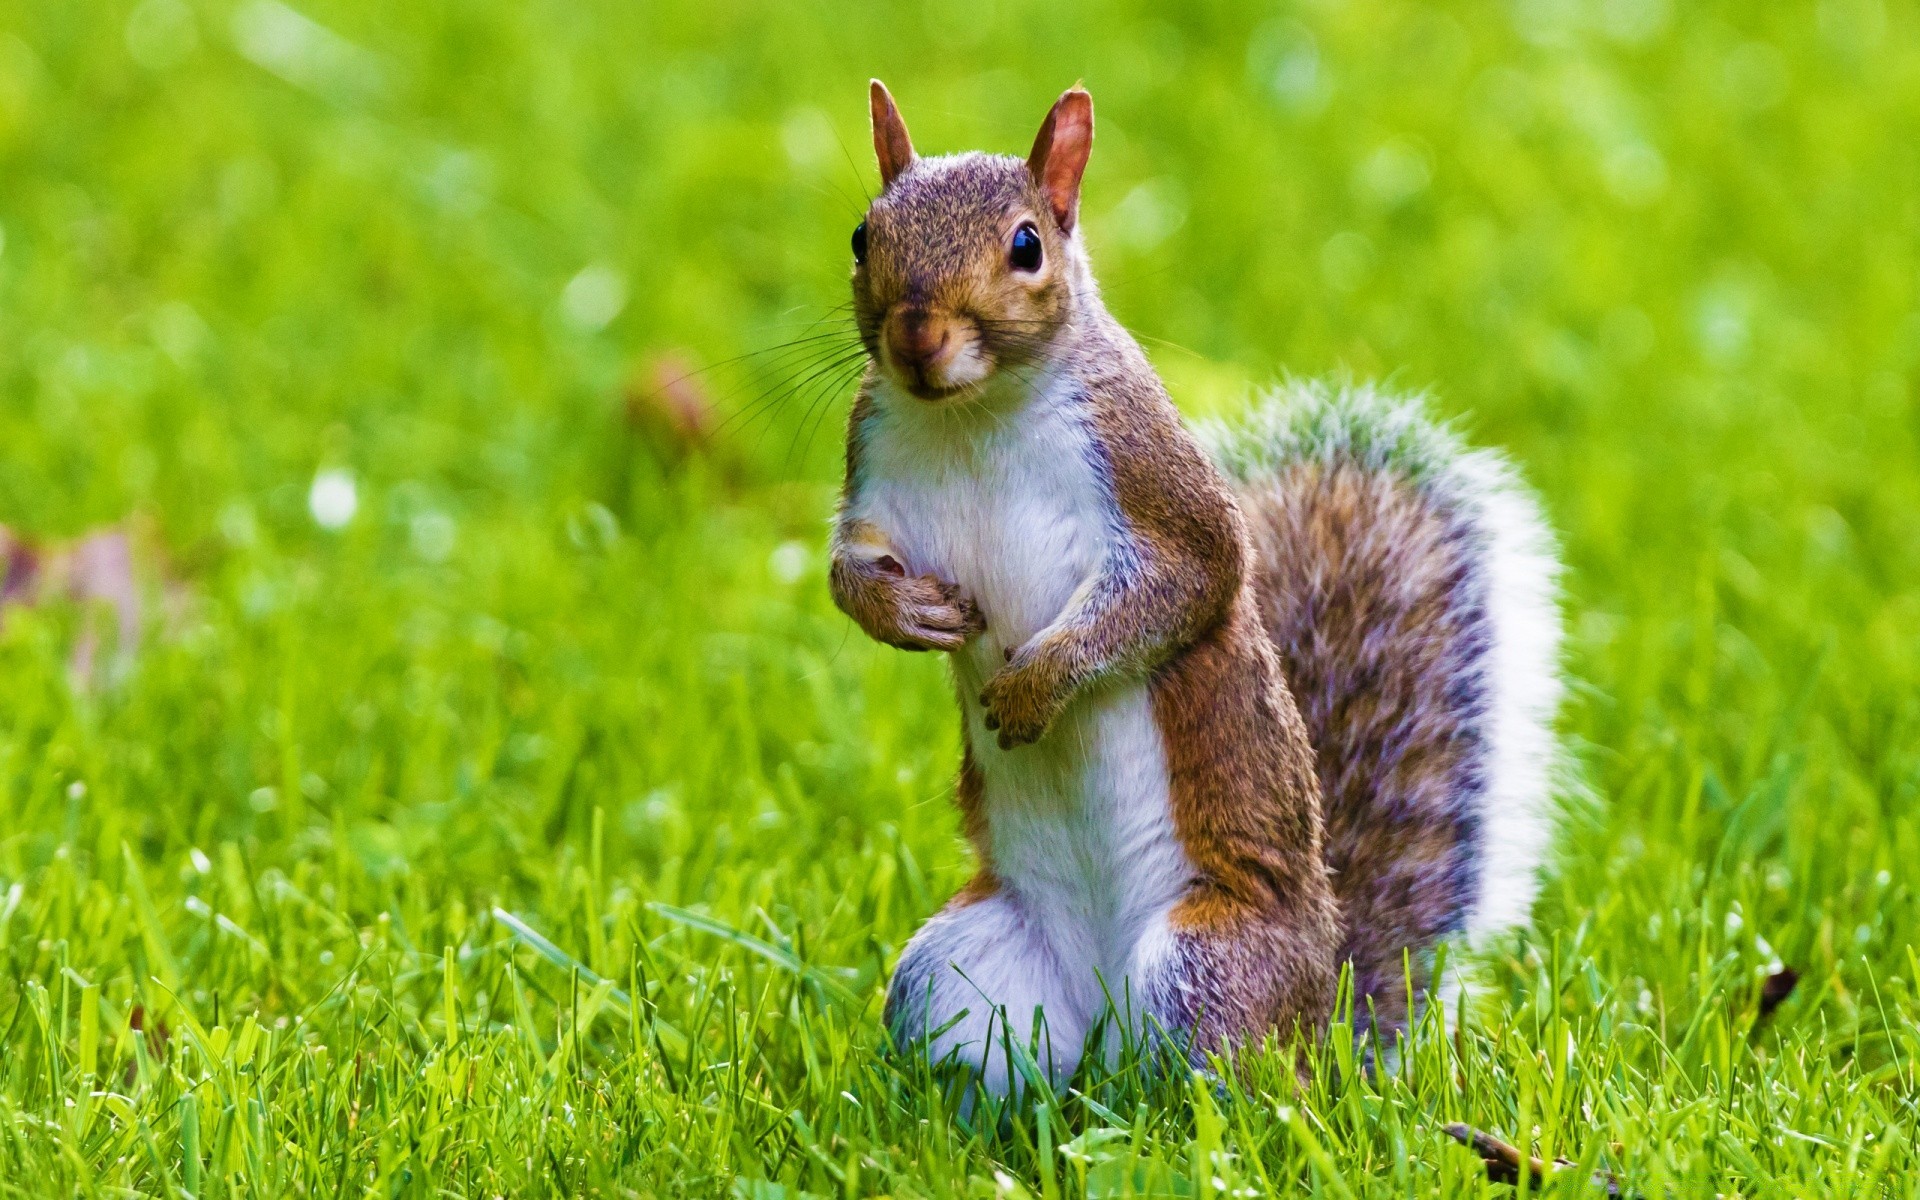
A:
[919, 339]
[931, 353]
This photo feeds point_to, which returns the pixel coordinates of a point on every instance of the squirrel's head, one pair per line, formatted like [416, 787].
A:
[968, 264]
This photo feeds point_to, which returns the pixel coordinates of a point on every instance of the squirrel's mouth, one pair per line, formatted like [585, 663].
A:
[930, 391]
[932, 383]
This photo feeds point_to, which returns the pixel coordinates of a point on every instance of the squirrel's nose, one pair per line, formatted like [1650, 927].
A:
[916, 338]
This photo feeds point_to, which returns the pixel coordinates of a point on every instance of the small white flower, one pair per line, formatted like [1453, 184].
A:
[333, 499]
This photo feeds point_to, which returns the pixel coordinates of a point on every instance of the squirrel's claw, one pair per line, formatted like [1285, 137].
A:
[1022, 699]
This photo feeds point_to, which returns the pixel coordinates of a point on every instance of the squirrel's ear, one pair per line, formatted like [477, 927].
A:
[891, 145]
[1060, 154]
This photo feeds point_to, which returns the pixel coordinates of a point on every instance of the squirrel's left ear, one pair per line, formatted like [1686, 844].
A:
[1060, 153]
[891, 145]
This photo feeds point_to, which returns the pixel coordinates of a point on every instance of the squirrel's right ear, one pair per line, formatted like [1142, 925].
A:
[891, 145]
[1060, 154]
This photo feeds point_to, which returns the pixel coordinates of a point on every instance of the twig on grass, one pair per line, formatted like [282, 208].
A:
[1504, 1160]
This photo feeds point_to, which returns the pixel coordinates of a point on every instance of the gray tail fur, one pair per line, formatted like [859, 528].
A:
[1410, 585]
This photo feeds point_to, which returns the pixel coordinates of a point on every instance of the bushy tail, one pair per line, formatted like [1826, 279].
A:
[1410, 585]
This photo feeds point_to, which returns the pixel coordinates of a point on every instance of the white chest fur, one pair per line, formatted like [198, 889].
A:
[1004, 501]
[1011, 504]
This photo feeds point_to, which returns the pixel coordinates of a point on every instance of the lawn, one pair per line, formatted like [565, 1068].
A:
[495, 804]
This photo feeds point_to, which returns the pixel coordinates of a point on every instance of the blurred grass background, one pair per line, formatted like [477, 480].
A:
[1668, 255]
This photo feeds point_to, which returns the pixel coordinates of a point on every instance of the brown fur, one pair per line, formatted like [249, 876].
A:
[1261, 923]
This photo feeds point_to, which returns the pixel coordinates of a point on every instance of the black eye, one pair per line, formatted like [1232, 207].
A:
[1024, 253]
[860, 242]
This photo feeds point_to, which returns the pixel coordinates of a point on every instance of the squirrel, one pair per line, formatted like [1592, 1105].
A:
[1242, 707]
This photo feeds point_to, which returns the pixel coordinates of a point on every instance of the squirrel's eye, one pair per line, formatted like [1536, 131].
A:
[1024, 253]
[860, 242]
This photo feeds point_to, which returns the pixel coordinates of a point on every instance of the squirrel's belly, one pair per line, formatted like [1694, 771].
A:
[1080, 827]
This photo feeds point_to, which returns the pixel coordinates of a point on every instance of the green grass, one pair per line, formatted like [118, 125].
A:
[1663, 253]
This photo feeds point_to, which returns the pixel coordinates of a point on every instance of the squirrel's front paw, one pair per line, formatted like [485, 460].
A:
[1023, 697]
[918, 612]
